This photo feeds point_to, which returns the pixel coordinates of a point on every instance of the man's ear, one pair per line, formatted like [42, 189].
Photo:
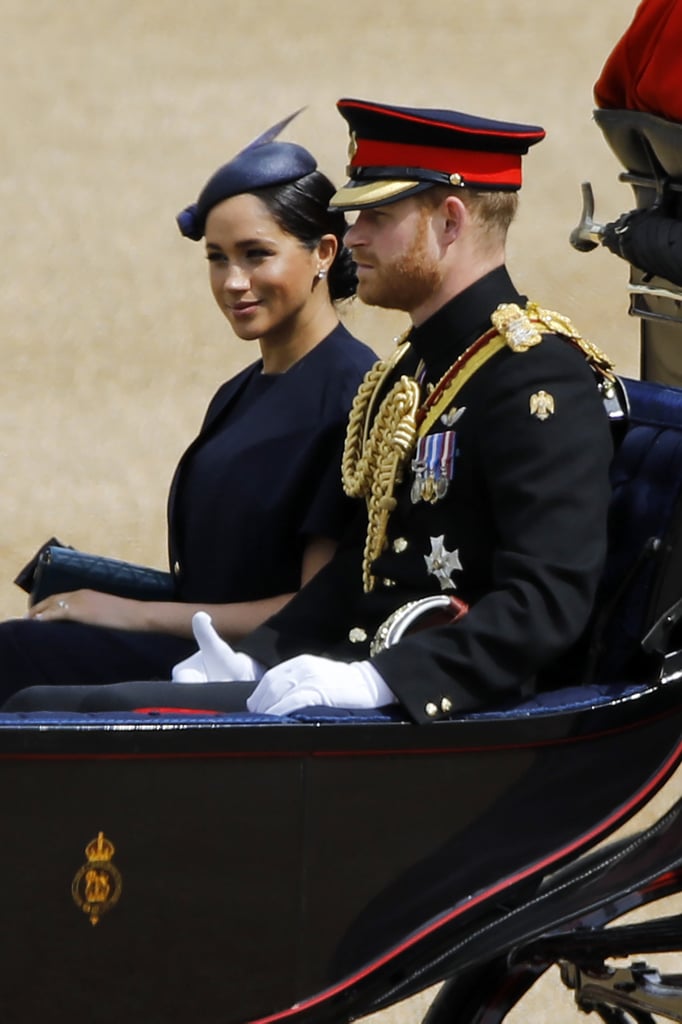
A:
[454, 214]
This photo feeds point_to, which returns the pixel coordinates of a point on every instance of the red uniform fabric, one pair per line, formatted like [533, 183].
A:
[644, 70]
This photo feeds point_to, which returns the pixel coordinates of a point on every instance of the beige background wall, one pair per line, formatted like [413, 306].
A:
[116, 111]
[113, 114]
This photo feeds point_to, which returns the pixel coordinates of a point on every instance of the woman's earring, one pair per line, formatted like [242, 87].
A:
[321, 274]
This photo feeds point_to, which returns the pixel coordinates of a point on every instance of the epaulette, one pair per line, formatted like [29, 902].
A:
[521, 329]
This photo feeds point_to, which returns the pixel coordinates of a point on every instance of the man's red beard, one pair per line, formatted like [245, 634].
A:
[406, 282]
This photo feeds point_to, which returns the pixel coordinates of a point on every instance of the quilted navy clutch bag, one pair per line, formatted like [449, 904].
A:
[57, 569]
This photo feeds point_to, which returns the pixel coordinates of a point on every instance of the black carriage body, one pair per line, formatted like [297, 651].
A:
[278, 871]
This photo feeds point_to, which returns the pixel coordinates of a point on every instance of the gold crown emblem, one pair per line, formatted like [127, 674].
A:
[100, 849]
[97, 885]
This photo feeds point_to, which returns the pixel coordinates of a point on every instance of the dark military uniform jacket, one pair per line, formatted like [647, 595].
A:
[517, 530]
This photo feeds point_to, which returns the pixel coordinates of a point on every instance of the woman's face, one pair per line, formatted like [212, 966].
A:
[262, 277]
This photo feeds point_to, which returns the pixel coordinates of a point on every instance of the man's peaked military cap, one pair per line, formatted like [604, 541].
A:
[399, 151]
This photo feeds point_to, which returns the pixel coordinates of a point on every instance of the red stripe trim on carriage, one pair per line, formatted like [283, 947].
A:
[489, 168]
[608, 823]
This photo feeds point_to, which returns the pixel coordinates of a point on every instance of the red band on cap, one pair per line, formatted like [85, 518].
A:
[473, 165]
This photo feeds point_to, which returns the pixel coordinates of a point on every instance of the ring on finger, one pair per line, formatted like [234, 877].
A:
[63, 605]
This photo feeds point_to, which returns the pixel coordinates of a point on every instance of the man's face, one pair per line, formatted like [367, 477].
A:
[396, 255]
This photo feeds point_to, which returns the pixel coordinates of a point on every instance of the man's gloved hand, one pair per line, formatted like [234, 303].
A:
[308, 680]
[215, 661]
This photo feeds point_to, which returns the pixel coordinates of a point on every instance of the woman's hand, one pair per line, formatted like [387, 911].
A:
[91, 607]
[174, 618]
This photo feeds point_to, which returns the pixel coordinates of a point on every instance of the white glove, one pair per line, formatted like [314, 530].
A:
[307, 680]
[215, 661]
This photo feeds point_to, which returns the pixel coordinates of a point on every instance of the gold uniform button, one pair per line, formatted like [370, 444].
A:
[357, 635]
[176, 569]
[388, 583]
[431, 709]
[446, 705]
[399, 545]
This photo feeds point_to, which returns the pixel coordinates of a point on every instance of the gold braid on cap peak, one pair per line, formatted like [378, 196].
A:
[373, 461]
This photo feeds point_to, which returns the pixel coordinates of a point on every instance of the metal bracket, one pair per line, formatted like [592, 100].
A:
[638, 987]
[587, 235]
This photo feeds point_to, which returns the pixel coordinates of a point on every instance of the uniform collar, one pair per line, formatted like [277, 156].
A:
[446, 334]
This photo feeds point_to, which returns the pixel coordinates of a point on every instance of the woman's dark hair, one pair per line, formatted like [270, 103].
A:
[301, 208]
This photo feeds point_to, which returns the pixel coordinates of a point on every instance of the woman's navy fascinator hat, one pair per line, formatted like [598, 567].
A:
[262, 163]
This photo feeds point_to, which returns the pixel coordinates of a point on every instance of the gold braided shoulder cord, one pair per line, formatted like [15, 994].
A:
[517, 327]
[557, 323]
[373, 462]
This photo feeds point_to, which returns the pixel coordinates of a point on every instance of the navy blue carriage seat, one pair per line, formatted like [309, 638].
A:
[642, 577]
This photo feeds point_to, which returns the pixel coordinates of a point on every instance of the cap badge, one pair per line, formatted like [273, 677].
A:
[441, 563]
[433, 466]
[352, 145]
[541, 405]
[514, 325]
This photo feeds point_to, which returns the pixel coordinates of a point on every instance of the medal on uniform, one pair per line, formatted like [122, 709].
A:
[419, 469]
[441, 563]
[433, 467]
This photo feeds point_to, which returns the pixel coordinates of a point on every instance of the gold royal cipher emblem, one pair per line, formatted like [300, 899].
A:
[97, 885]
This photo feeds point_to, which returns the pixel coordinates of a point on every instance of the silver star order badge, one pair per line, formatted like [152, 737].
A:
[441, 563]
